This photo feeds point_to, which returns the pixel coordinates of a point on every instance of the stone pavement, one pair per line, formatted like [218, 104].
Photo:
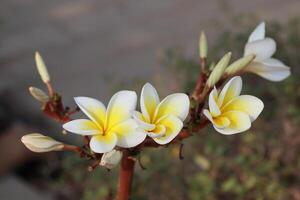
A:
[91, 45]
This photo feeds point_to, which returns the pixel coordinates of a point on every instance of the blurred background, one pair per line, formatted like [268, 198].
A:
[95, 48]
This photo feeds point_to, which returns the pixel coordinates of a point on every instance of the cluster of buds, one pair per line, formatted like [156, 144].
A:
[52, 102]
[110, 131]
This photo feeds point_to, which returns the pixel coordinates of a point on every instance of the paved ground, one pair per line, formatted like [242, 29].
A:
[89, 45]
[86, 44]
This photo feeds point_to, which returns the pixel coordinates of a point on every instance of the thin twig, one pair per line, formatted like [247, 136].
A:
[181, 157]
[201, 80]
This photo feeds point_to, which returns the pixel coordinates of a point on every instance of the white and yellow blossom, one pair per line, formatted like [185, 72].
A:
[108, 127]
[230, 112]
[163, 120]
[263, 48]
[39, 143]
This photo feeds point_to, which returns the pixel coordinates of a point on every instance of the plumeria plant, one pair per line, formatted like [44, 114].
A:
[119, 131]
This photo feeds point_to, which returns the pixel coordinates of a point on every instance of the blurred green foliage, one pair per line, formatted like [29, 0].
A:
[263, 163]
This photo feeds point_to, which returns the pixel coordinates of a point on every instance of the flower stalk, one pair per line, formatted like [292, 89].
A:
[125, 176]
[201, 80]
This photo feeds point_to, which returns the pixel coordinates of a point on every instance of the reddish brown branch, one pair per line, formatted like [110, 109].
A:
[201, 80]
[125, 177]
[72, 148]
[93, 166]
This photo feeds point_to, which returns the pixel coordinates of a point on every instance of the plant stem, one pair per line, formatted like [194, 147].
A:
[125, 177]
[201, 79]
[50, 89]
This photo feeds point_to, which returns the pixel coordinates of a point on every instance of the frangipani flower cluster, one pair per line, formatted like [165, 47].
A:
[230, 112]
[115, 126]
[264, 48]
[119, 132]
[120, 125]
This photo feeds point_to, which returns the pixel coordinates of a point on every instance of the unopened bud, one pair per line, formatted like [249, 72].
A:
[212, 66]
[218, 70]
[111, 159]
[41, 67]
[40, 143]
[203, 45]
[239, 65]
[39, 94]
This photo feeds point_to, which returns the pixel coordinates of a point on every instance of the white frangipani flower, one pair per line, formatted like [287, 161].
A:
[108, 127]
[161, 120]
[263, 48]
[230, 112]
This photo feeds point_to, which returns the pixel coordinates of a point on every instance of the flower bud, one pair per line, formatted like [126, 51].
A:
[239, 64]
[39, 94]
[218, 70]
[41, 67]
[203, 45]
[111, 159]
[212, 66]
[40, 143]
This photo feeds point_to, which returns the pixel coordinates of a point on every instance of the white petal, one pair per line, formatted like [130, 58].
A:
[173, 126]
[262, 49]
[270, 69]
[213, 106]
[103, 143]
[128, 134]
[215, 93]
[142, 122]
[258, 33]
[239, 122]
[82, 127]
[177, 104]
[93, 108]
[149, 100]
[208, 115]
[219, 122]
[159, 131]
[231, 90]
[120, 107]
[251, 105]
[273, 62]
